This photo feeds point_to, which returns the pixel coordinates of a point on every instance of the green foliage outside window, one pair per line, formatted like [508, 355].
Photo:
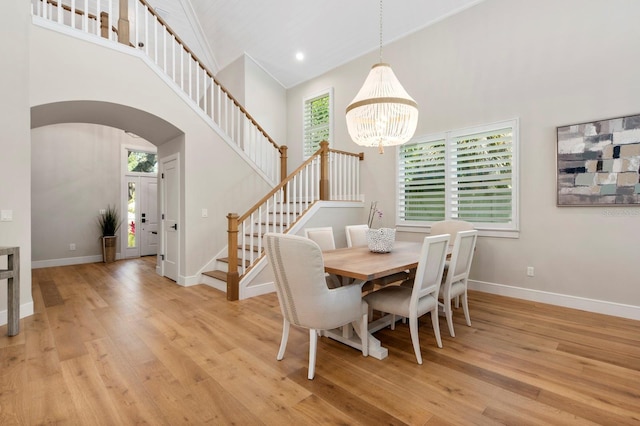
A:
[144, 162]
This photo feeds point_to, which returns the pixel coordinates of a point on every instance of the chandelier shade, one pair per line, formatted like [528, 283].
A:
[382, 113]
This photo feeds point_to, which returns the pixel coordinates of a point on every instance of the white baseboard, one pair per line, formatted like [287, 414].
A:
[574, 302]
[26, 309]
[258, 290]
[36, 264]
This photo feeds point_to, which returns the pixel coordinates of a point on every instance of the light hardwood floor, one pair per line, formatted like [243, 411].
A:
[114, 344]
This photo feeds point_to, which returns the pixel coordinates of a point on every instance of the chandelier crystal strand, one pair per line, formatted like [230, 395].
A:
[382, 113]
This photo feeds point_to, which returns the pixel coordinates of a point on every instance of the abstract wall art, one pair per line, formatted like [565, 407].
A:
[599, 163]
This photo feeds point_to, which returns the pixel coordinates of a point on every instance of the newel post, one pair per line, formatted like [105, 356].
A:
[324, 170]
[233, 279]
[283, 168]
[123, 22]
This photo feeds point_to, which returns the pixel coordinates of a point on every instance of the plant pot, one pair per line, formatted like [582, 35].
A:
[381, 240]
[109, 249]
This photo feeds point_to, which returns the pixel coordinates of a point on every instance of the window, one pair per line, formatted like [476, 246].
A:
[468, 175]
[317, 116]
[140, 161]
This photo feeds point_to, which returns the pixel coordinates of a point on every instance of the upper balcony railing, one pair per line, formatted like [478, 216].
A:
[149, 33]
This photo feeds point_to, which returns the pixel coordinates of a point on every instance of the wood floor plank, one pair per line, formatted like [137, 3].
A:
[120, 345]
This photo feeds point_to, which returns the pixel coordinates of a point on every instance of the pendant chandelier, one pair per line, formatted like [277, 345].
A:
[382, 113]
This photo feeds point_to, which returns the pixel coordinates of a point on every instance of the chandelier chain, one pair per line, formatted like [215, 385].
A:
[380, 31]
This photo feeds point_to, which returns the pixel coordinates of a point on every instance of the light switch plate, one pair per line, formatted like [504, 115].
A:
[6, 215]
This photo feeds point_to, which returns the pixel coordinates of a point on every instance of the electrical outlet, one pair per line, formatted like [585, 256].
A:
[72, 246]
[102, 211]
[205, 213]
[529, 271]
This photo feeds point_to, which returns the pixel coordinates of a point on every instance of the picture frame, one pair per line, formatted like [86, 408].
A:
[598, 163]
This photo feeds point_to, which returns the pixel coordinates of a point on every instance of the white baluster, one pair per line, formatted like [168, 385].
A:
[173, 57]
[189, 77]
[85, 17]
[164, 49]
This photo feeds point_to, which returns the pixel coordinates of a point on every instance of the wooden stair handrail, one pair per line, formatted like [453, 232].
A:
[210, 74]
[233, 277]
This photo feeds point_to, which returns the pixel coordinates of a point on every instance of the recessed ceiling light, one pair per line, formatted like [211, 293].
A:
[300, 56]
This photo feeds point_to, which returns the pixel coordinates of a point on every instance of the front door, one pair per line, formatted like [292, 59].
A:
[149, 237]
[142, 216]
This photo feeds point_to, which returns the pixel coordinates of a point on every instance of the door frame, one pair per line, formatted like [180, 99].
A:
[125, 251]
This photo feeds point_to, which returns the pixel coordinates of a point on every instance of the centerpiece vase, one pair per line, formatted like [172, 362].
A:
[381, 240]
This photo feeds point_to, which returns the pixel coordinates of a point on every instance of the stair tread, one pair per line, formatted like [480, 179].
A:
[217, 274]
[226, 260]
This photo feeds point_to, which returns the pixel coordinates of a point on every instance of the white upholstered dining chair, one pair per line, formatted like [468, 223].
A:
[455, 282]
[305, 300]
[356, 235]
[451, 227]
[415, 301]
[323, 236]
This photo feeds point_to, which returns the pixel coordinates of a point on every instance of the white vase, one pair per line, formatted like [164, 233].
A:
[381, 240]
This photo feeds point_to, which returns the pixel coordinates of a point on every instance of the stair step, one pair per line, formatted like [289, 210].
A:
[217, 274]
[247, 263]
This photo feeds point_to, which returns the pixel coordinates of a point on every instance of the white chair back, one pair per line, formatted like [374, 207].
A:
[322, 236]
[305, 300]
[461, 257]
[430, 269]
[455, 283]
[356, 235]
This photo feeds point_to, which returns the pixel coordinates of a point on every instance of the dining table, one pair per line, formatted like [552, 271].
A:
[362, 265]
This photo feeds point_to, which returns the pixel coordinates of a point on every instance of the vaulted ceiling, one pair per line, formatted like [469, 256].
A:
[328, 33]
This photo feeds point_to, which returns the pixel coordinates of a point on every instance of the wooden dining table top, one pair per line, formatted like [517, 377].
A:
[362, 264]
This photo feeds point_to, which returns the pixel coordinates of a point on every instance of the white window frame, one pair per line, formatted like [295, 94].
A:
[508, 229]
[305, 102]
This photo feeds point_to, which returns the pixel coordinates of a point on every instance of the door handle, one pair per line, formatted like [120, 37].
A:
[174, 226]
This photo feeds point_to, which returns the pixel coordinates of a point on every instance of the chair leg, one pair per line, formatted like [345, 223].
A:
[283, 341]
[413, 328]
[465, 307]
[448, 312]
[364, 335]
[313, 344]
[435, 321]
[393, 322]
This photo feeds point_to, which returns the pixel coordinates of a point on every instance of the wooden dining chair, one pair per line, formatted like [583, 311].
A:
[419, 299]
[454, 285]
[305, 300]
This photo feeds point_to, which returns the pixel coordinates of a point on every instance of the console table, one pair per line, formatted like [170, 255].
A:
[12, 275]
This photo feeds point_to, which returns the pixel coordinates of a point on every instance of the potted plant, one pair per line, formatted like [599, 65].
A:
[109, 224]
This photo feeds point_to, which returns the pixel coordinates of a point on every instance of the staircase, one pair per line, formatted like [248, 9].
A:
[329, 175]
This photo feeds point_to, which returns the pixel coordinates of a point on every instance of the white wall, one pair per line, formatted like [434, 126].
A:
[550, 63]
[76, 170]
[214, 176]
[15, 149]
[259, 93]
